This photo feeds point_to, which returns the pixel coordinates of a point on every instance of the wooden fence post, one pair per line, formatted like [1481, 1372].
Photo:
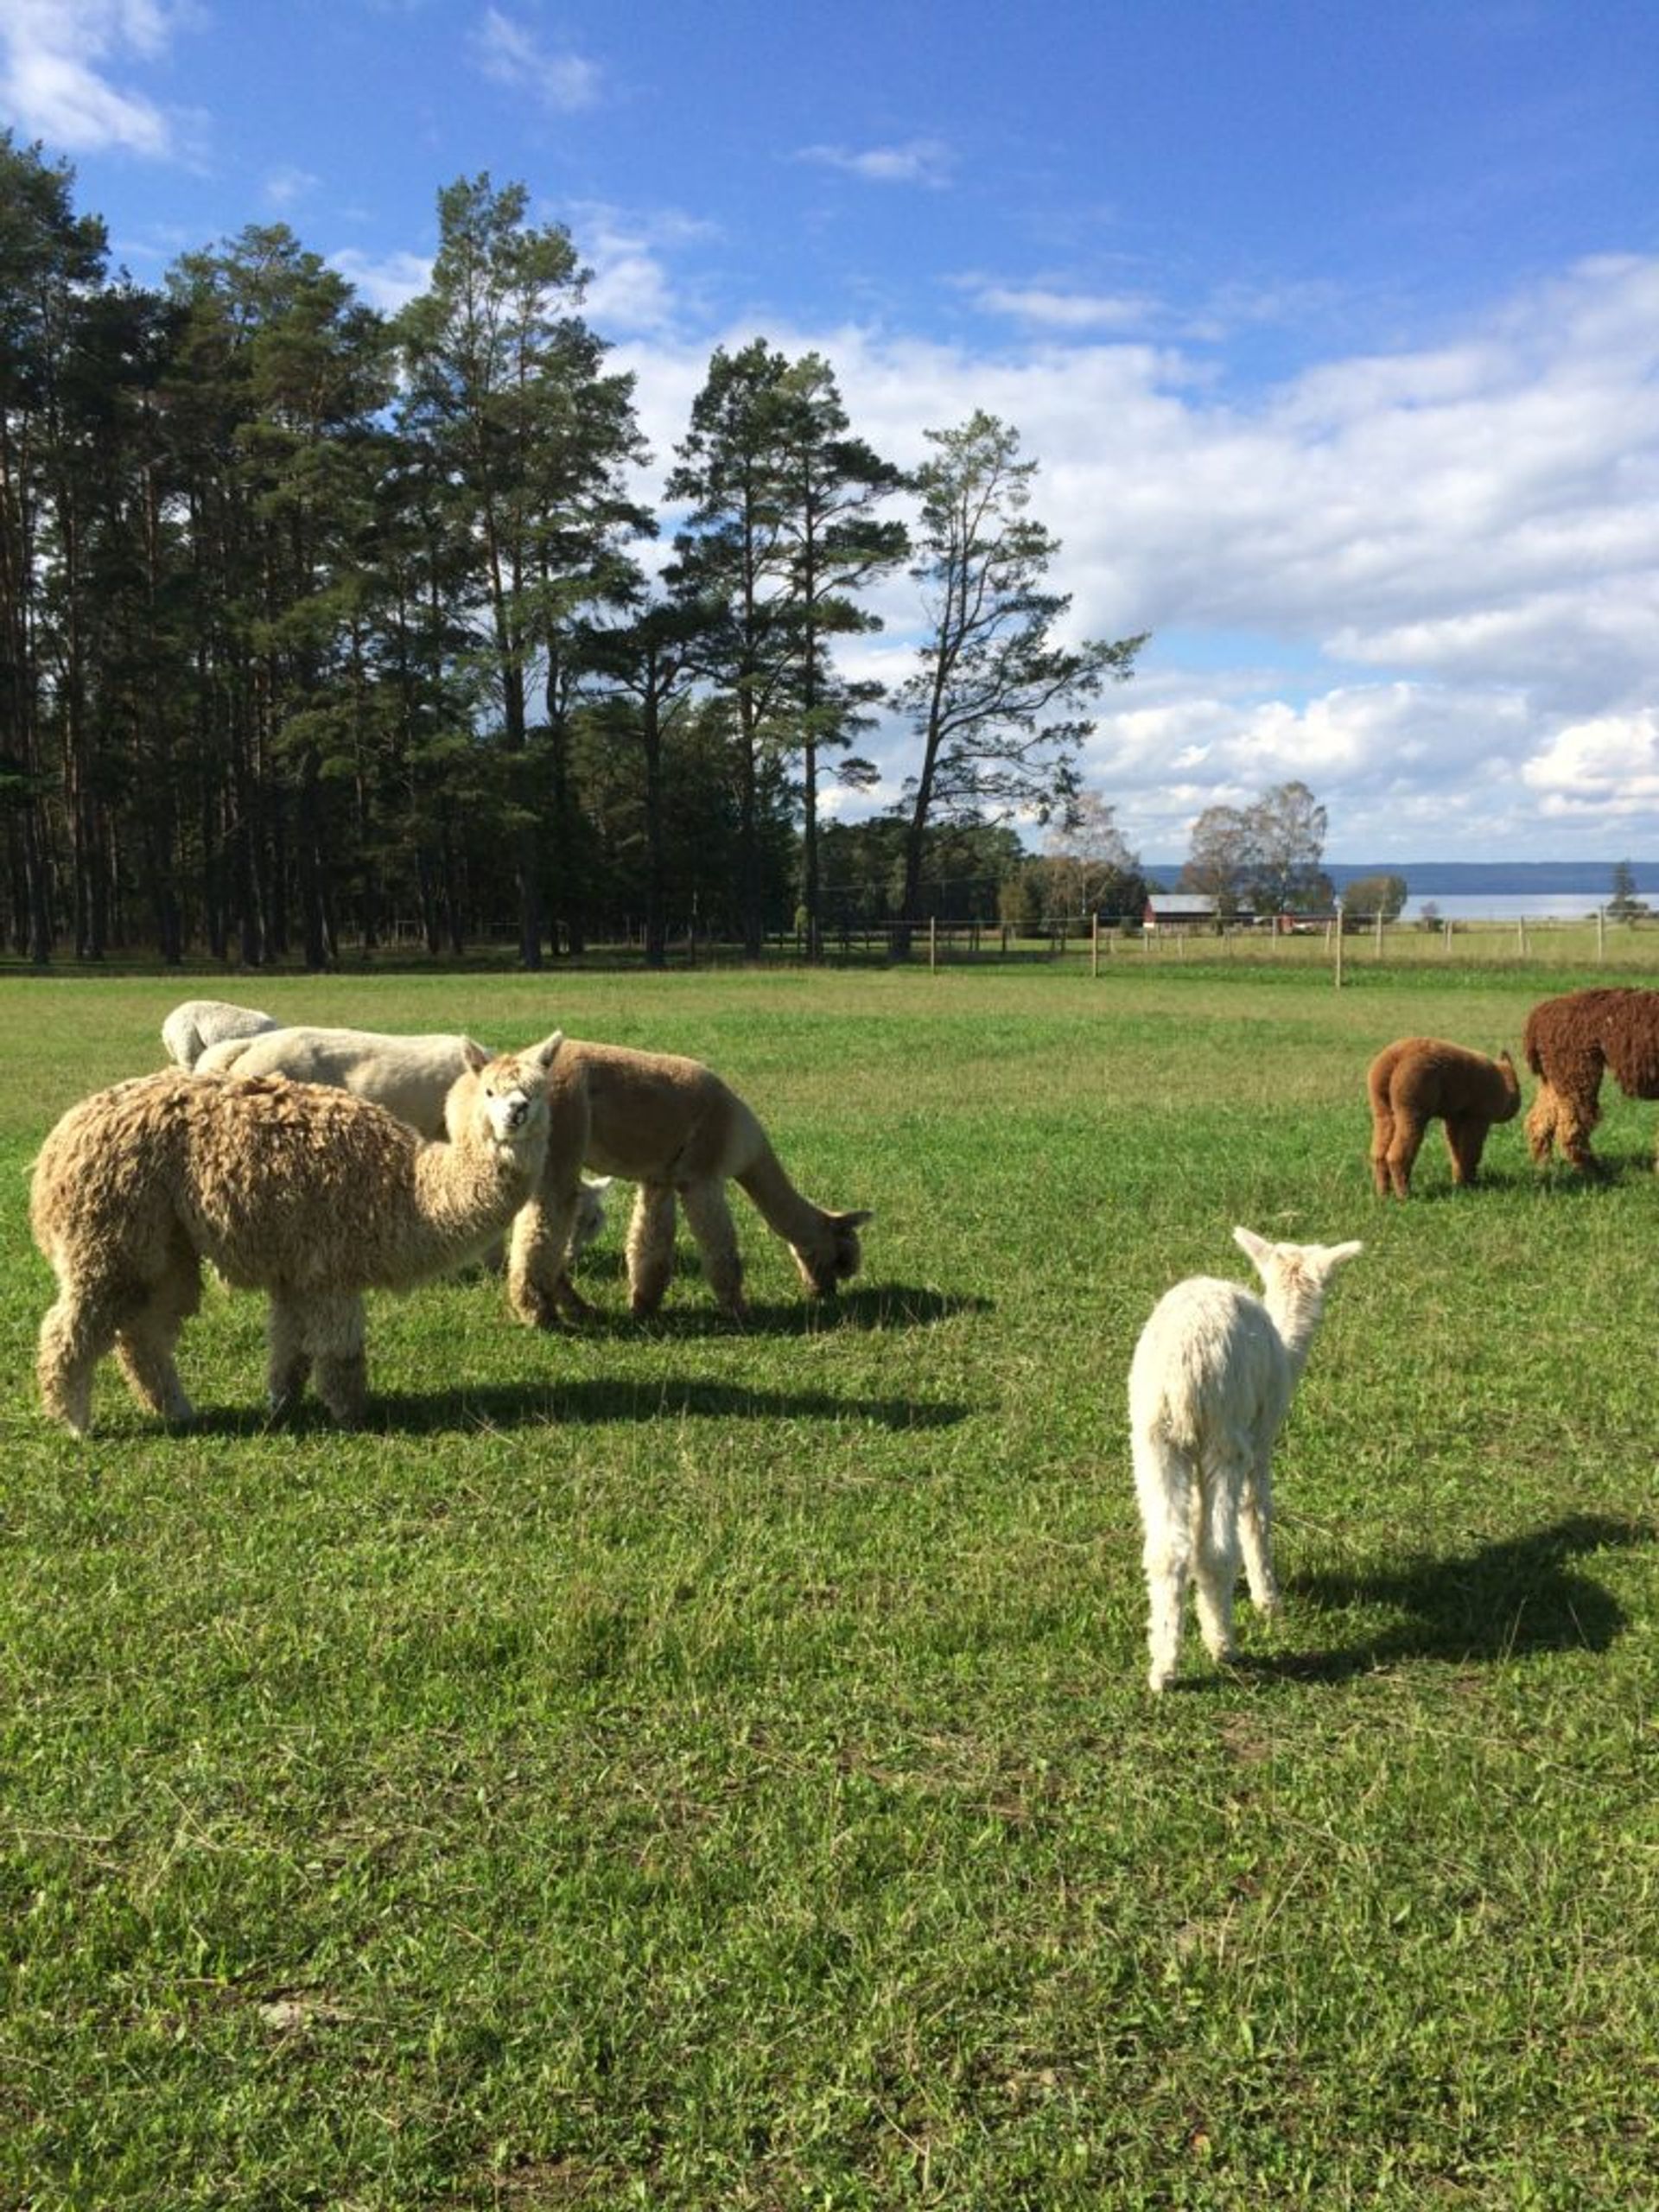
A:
[1339, 959]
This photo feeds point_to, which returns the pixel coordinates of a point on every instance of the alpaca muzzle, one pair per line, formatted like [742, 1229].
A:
[508, 1113]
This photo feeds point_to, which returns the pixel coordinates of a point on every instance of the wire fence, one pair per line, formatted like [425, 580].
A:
[1591, 941]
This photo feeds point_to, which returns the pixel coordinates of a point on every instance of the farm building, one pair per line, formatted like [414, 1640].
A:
[1181, 910]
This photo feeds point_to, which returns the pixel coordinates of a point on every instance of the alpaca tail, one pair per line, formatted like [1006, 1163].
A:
[1509, 1103]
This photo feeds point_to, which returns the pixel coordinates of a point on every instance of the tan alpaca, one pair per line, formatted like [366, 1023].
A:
[1417, 1080]
[307, 1193]
[671, 1126]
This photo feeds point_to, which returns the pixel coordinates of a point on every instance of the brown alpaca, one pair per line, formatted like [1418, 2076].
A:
[307, 1193]
[1417, 1080]
[1568, 1041]
[671, 1126]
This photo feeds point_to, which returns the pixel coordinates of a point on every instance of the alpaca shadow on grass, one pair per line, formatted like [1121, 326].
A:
[579, 1403]
[1606, 1171]
[1506, 1600]
[867, 1307]
[1440, 1190]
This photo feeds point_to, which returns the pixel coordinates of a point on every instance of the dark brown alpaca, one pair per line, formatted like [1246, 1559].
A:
[1417, 1080]
[1568, 1041]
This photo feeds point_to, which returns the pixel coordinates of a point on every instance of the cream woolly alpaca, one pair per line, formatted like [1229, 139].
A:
[673, 1127]
[411, 1077]
[1209, 1384]
[191, 1028]
[305, 1193]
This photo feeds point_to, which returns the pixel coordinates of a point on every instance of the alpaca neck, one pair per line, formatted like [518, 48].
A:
[467, 1193]
[1295, 1309]
[781, 1206]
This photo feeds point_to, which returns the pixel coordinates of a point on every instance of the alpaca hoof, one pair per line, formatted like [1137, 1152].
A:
[1159, 1680]
[535, 1308]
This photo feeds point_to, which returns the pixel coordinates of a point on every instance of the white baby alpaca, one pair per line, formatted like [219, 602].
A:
[1209, 1385]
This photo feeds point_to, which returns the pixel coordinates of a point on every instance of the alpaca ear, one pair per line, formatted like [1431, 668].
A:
[476, 1056]
[1258, 1247]
[547, 1051]
[1348, 1251]
[854, 1220]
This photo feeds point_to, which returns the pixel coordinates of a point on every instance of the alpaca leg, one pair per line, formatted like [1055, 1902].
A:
[146, 1341]
[650, 1247]
[709, 1218]
[74, 1336]
[288, 1355]
[1541, 1125]
[1465, 1140]
[1255, 1539]
[1382, 1138]
[334, 1328]
[1403, 1148]
[1575, 1117]
[1164, 1486]
[536, 1259]
[1215, 1568]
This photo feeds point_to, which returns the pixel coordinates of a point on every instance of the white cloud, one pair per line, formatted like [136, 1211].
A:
[1051, 308]
[386, 281]
[59, 61]
[630, 293]
[510, 53]
[919, 160]
[285, 187]
[1608, 766]
[1442, 567]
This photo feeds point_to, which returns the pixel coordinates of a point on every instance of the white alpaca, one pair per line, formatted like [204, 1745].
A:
[305, 1193]
[192, 1027]
[411, 1077]
[1209, 1384]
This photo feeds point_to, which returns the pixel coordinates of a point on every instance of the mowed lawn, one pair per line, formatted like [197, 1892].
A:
[684, 1766]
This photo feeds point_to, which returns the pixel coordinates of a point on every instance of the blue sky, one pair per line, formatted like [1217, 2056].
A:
[1335, 328]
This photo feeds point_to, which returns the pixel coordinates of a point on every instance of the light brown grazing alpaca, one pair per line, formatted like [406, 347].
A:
[1568, 1042]
[1417, 1080]
[307, 1193]
[671, 1126]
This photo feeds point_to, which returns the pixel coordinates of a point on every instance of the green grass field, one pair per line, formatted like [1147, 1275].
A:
[684, 1766]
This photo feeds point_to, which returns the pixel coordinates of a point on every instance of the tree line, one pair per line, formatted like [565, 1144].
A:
[319, 624]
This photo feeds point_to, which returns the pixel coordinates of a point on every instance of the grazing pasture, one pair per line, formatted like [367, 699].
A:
[680, 1765]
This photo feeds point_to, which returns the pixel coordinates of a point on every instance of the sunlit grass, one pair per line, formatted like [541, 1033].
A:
[696, 1767]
